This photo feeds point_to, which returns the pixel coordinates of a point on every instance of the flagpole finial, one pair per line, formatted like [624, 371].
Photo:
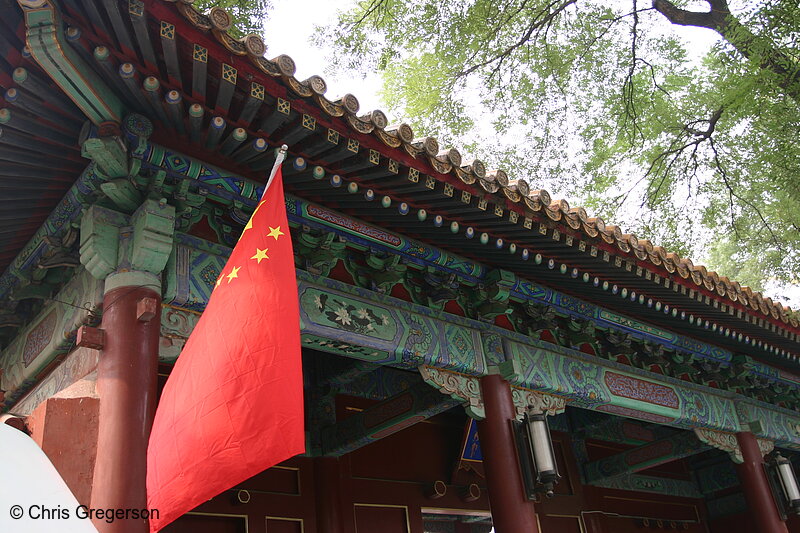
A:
[280, 156]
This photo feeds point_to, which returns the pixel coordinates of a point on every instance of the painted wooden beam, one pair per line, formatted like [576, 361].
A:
[677, 446]
[227, 84]
[112, 9]
[138, 17]
[651, 484]
[615, 428]
[253, 102]
[47, 42]
[199, 72]
[170, 47]
[344, 372]
[417, 403]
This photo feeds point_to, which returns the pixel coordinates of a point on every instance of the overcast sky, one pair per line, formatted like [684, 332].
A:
[291, 24]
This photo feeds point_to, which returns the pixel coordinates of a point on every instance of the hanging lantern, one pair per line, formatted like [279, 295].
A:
[536, 457]
[784, 484]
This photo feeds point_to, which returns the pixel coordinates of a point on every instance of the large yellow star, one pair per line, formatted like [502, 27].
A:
[275, 232]
[234, 274]
[250, 221]
[261, 254]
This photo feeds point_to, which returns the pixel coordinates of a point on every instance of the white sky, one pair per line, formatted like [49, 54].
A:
[291, 24]
[288, 30]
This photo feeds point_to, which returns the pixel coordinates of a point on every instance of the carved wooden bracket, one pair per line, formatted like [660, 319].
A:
[727, 442]
[527, 399]
[461, 387]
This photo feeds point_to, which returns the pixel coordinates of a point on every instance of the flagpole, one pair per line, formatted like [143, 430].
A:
[278, 161]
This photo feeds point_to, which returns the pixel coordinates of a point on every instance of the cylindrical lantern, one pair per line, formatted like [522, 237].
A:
[541, 452]
[788, 482]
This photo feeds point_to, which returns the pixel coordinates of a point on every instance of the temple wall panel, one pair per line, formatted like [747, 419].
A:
[50, 334]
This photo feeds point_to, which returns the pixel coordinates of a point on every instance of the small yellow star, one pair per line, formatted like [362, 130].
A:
[219, 280]
[261, 254]
[234, 274]
[275, 232]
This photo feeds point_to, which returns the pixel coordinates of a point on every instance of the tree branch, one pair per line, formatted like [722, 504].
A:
[751, 46]
[684, 17]
[542, 20]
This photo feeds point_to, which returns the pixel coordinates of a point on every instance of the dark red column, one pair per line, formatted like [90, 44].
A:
[512, 512]
[327, 480]
[755, 486]
[126, 385]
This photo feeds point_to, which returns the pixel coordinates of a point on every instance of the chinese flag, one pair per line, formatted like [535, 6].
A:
[233, 404]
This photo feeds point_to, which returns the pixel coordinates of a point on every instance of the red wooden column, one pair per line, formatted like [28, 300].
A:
[512, 512]
[329, 504]
[126, 385]
[756, 489]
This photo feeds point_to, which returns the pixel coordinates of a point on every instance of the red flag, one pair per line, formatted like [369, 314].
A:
[233, 404]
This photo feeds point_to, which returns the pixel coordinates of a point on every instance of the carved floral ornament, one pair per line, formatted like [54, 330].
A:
[467, 389]
[529, 400]
[461, 387]
[727, 442]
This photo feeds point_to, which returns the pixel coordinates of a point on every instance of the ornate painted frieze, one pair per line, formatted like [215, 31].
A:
[640, 389]
[78, 364]
[49, 335]
[395, 334]
[780, 425]
[611, 387]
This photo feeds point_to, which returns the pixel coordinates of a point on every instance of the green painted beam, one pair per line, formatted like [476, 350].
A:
[419, 402]
[45, 38]
[621, 430]
[678, 446]
[652, 484]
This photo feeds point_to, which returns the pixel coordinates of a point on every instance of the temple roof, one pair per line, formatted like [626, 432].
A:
[220, 99]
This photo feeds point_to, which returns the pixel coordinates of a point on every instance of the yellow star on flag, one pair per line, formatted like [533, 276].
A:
[250, 220]
[219, 280]
[234, 274]
[261, 254]
[275, 232]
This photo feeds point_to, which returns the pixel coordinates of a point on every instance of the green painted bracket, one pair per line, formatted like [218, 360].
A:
[153, 229]
[47, 42]
[142, 242]
[122, 193]
[109, 153]
[99, 248]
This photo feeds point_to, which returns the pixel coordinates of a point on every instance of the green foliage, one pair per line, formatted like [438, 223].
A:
[602, 102]
[248, 15]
